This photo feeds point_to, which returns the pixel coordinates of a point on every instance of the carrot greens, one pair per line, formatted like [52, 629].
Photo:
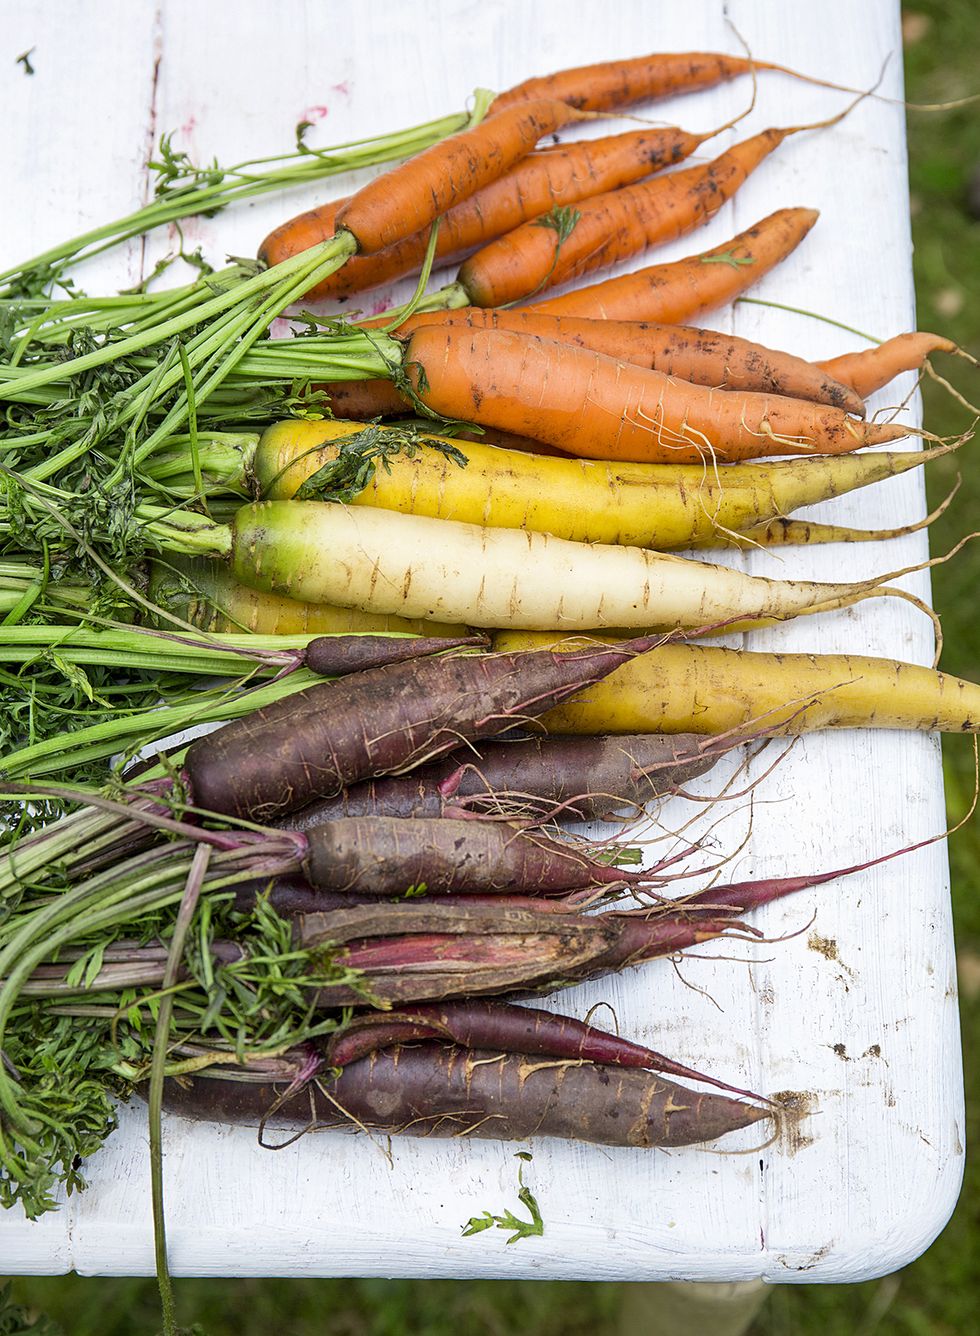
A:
[182, 189]
[523, 1229]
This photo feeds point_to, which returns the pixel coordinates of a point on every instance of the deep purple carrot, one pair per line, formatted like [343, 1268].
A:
[437, 951]
[435, 1091]
[313, 743]
[577, 779]
[338, 656]
[500, 1025]
[412, 952]
[292, 895]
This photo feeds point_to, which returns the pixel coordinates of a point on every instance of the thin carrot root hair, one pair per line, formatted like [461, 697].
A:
[930, 370]
[749, 789]
[957, 351]
[892, 591]
[926, 566]
[777, 1113]
[642, 892]
[845, 88]
[756, 937]
[678, 903]
[903, 530]
[385, 1149]
[836, 119]
[303, 1080]
[907, 849]
[952, 105]
[730, 124]
[666, 905]
[890, 415]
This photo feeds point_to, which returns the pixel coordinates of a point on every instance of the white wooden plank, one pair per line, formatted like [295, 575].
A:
[79, 129]
[880, 1174]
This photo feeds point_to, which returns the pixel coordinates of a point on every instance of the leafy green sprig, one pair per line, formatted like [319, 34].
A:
[522, 1229]
[97, 946]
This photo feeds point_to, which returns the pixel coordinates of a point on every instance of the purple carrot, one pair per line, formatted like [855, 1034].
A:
[486, 945]
[391, 856]
[579, 779]
[292, 895]
[430, 951]
[388, 857]
[411, 952]
[500, 1025]
[337, 656]
[443, 1092]
[313, 743]
[740, 896]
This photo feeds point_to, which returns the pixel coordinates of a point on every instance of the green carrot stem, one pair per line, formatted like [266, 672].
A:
[188, 904]
[251, 328]
[328, 257]
[448, 298]
[185, 531]
[242, 182]
[34, 940]
[146, 648]
[130, 732]
[222, 456]
[812, 315]
[53, 325]
[22, 859]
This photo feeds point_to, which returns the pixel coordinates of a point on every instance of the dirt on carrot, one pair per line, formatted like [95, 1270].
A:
[682, 290]
[597, 407]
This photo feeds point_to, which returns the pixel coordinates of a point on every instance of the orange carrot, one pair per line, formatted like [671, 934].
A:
[363, 399]
[677, 292]
[414, 194]
[506, 440]
[698, 355]
[611, 227]
[542, 180]
[872, 368]
[622, 83]
[599, 408]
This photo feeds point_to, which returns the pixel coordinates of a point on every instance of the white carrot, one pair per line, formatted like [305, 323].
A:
[414, 566]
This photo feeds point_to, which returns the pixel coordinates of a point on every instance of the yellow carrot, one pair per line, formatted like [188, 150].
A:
[663, 506]
[710, 690]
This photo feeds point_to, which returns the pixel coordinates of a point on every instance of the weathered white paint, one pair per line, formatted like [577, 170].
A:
[871, 1034]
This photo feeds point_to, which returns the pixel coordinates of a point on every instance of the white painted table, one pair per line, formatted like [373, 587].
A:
[858, 1008]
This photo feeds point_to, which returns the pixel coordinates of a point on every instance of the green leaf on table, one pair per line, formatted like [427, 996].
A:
[521, 1229]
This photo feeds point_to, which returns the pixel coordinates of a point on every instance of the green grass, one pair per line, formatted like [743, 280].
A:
[939, 1294]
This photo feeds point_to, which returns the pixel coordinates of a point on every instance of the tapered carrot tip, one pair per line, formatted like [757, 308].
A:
[435, 1091]
[689, 1118]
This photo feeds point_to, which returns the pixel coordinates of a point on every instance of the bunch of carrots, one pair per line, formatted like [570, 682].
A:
[363, 875]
